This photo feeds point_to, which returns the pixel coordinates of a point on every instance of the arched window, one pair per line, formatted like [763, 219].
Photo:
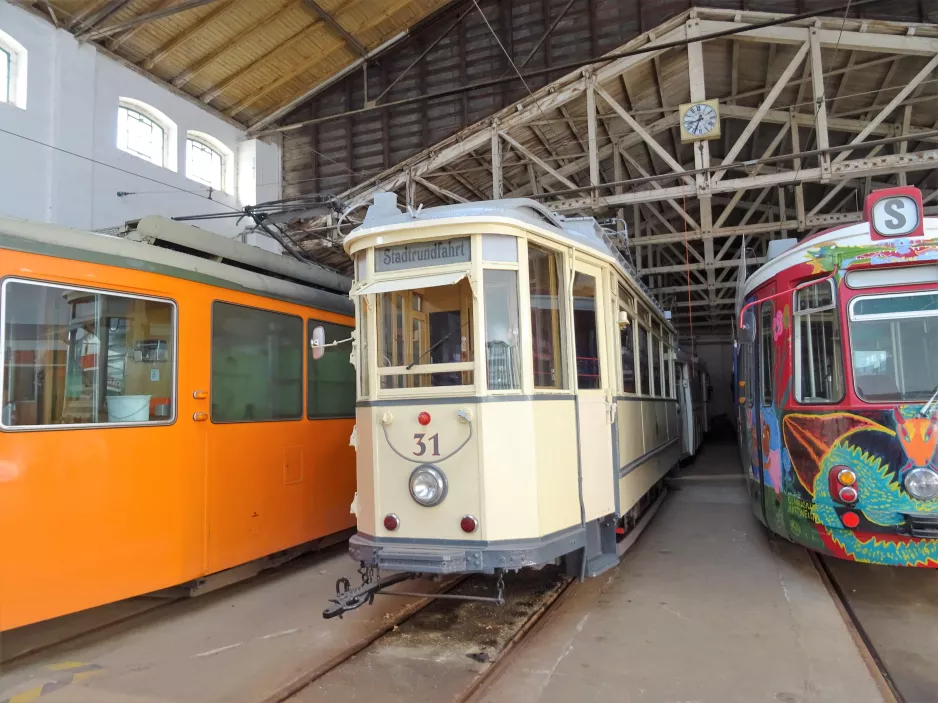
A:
[208, 161]
[12, 71]
[146, 133]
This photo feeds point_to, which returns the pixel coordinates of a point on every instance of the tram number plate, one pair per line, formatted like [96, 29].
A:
[422, 446]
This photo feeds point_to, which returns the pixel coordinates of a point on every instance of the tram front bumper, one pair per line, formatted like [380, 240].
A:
[439, 557]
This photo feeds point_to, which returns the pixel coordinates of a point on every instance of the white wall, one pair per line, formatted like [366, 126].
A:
[718, 358]
[72, 98]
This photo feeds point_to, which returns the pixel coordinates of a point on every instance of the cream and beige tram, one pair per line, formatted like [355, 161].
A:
[516, 396]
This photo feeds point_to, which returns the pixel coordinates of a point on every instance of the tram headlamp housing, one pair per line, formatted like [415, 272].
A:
[428, 485]
[922, 484]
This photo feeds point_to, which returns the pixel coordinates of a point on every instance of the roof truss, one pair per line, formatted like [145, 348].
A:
[811, 156]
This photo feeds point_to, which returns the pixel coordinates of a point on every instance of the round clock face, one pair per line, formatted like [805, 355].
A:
[699, 120]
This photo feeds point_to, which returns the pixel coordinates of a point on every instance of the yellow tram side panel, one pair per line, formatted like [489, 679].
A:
[637, 425]
[558, 492]
[104, 513]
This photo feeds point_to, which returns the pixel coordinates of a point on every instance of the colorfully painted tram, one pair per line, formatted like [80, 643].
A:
[837, 373]
[516, 391]
[163, 415]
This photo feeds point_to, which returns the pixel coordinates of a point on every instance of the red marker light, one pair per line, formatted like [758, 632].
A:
[424, 418]
[391, 522]
[848, 494]
[850, 520]
[469, 523]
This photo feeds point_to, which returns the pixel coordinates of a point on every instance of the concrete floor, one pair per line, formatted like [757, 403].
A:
[704, 608]
[897, 608]
[240, 644]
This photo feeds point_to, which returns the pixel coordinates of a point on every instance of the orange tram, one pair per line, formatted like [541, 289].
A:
[165, 416]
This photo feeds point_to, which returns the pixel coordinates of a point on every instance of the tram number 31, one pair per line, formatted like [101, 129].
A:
[422, 447]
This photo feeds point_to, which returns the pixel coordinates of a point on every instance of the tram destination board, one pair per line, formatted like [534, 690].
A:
[422, 254]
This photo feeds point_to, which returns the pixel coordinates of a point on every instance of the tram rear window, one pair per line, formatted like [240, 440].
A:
[892, 341]
[80, 357]
[426, 326]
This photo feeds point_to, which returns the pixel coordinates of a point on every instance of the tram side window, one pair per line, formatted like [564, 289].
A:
[74, 356]
[627, 339]
[656, 365]
[330, 379]
[667, 371]
[585, 332]
[546, 330]
[767, 351]
[643, 376]
[819, 373]
[502, 329]
[257, 364]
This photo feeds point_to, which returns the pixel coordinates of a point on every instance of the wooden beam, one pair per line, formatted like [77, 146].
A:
[334, 25]
[536, 159]
[497, 183]
[439, 190]
[297, 37]
[767, 103]
[639, 130]
[233, 43]
[673, 203]
[186, 36]
[304, 66]
[891, 105]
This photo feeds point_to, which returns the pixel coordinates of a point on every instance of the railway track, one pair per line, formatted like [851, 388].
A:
[868, 652]
[437, 649]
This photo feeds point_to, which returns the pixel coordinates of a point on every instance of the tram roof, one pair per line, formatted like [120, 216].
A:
[583, 232]
[93, 247]
[858, 234]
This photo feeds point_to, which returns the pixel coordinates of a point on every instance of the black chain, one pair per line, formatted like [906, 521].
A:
[500, 588]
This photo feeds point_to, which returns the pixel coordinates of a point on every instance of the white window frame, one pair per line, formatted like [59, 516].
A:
[17, 60]
[227, 180]
[94, 291]
[796, 315]
[169, 155]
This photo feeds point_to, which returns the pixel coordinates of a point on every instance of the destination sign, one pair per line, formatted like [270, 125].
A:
[422, 254]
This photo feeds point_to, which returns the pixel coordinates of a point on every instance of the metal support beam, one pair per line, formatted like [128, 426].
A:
[337, 28]
[183, 6]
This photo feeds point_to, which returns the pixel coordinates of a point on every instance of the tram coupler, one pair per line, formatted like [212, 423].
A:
[348, 598]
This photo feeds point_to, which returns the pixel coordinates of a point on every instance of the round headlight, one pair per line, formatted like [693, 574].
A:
[922, 484]
[428, 485]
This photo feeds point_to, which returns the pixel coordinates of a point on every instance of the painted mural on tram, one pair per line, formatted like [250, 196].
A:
[837, 381]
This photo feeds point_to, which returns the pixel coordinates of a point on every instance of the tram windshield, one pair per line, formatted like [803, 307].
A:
[893, 340]
[425, 327]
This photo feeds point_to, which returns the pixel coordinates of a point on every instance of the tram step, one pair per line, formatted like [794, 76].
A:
[601, 563]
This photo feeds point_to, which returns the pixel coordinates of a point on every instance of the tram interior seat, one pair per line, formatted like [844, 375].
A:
[877, 386]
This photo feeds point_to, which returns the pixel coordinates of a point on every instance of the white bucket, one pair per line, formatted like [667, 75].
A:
[128, 408]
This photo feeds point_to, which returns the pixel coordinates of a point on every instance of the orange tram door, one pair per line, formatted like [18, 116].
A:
[161, 420]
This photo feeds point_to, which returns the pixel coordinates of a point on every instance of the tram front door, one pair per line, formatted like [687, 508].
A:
[595, 405]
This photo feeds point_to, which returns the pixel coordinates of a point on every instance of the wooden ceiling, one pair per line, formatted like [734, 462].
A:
[245, 58]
